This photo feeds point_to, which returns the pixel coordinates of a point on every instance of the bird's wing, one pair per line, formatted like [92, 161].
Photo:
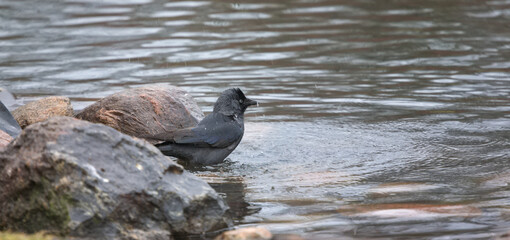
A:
[215, 131]
[218, 136]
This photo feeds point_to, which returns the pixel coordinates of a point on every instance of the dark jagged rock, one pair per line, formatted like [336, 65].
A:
[43, 109]
[75, 178]
[8, 124]
[146, 111]
[7, 99]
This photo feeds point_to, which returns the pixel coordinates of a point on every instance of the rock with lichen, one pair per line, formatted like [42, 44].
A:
[43, 109]
[146, 111]
[74, 178]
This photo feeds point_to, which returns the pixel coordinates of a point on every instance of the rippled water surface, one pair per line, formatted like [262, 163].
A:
[378, 119]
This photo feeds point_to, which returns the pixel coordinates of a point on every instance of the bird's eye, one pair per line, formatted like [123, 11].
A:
[240, 100]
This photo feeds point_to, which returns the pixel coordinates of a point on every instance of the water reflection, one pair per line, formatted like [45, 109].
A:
[233, 189]
[369, 110]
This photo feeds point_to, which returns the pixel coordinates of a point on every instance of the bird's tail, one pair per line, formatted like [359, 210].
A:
[173, 150]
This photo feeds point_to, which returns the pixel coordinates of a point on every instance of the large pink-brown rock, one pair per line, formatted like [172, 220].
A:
[42, 110]
[146, 111]
[4, 139]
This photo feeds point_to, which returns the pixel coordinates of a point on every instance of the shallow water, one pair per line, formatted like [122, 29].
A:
[378, 119]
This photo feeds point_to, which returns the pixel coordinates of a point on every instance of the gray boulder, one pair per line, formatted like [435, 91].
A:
[146, 111]
[74, 178]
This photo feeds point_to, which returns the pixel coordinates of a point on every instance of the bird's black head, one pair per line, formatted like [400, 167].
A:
[232, 102]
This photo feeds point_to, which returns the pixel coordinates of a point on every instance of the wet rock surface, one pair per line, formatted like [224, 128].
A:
[4, 139]
[144, 112]
[287, 237]
[42, 110]
[75, 178]
[250, 233]
[7, 98]
[7, 122]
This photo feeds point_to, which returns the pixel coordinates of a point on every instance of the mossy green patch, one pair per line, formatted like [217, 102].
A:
[42, 208]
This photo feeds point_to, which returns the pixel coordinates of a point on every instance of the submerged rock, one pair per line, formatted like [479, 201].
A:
[504, 236]
[71, 177]
[146, 111]
[250, 233]
[287, 237]
[410, 210]
[42, 110]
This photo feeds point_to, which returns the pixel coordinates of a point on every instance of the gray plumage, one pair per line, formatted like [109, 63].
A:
[215, 137]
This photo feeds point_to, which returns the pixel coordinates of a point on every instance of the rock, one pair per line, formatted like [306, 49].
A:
[251, 233]
[410, 210]
[42, 110]
[401, 188]
[7, 98]
[287, 237]
[4, 139]
[71, 177]
[136, 234]
[504, 236]
[7, 122]
[146, 111]
[21, 236]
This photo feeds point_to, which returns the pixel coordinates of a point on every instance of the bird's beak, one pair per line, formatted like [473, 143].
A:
[249, 102]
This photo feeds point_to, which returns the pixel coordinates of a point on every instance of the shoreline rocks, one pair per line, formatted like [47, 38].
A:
[7, 99]
[255, 233]
[4, 139]
[22, 236]
[42, 109]
[74, 178]
[8, 124]
[146, 111]
[250, 233]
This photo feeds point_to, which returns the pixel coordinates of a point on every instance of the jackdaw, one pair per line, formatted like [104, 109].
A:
[215, 137]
